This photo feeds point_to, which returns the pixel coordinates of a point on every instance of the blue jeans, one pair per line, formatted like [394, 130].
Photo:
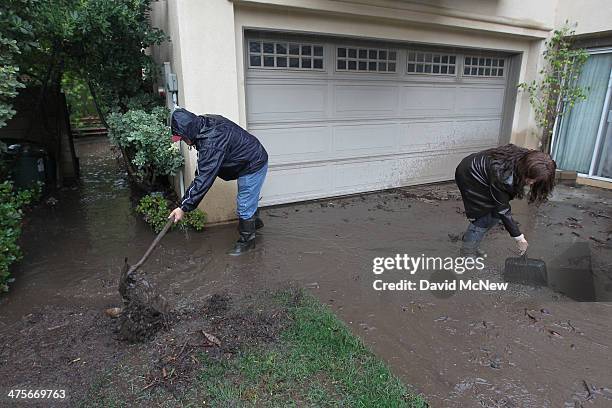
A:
[479, 227]
[249, 187]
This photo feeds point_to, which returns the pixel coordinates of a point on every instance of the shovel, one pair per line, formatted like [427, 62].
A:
[525, 271]
[128, 270]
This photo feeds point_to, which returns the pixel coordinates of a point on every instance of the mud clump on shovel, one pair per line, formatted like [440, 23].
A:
[144, 310]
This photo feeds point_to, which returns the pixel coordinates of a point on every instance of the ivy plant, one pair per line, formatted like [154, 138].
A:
[155, 209]
[557, 90]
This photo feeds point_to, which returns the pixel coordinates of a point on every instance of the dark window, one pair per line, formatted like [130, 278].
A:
[430, 63]
[361, 59]
[254, 46]
[281, 48]
[255, 60]
[268, 48]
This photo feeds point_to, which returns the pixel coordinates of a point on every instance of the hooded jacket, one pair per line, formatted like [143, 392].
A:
[484, 190]
[224, 149]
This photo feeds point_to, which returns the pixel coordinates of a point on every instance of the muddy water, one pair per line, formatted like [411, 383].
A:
[524, 347]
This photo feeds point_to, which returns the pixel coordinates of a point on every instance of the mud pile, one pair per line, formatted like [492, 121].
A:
[144, 311]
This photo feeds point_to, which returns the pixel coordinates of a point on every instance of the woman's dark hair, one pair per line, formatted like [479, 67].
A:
[525, 164]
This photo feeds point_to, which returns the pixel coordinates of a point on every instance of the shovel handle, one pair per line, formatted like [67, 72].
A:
[153, 244]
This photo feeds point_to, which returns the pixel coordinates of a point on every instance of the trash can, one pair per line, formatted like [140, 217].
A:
[30, 164]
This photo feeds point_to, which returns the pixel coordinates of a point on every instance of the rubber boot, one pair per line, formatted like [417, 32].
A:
[246, 242]
[258, 222]
[471, 241]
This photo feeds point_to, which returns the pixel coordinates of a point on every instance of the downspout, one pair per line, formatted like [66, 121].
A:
[181, 177]
[172, 103]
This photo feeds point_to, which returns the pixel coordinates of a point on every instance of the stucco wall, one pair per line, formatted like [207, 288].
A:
[591, 15]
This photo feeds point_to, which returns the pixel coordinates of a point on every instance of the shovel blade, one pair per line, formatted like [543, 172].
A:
[526, 271]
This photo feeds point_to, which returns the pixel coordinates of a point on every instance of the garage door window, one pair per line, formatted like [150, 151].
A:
[365, 59]
[431, 63]
[483, 67]
[282, 55]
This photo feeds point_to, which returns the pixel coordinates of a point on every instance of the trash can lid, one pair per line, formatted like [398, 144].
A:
[27, 149]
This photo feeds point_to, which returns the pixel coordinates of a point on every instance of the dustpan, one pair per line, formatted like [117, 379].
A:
[526, 271]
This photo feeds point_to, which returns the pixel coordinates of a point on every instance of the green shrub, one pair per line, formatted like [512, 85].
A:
[5, 166]
[11, 213]
[144, 140]
[155, 209]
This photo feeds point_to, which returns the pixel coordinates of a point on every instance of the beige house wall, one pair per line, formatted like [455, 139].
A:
[208, 56]
[592, 16]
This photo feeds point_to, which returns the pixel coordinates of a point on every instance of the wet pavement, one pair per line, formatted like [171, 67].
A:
[522, 347]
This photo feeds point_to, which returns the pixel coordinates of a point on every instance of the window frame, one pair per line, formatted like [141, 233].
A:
[478, 66]
[275, 55]
[432, 63]
[367, 59]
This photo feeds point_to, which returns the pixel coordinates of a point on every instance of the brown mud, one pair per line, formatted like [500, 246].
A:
[524, 347]
[144, 310]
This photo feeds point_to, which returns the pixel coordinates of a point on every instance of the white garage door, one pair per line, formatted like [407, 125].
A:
[344, 117]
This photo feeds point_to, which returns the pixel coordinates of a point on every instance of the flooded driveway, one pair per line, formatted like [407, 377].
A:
[522, 347]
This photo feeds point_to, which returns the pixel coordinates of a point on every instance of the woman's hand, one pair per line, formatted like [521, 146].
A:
[177, 213]
[522, 244]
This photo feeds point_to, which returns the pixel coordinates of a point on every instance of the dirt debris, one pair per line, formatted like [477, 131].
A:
[145, 311]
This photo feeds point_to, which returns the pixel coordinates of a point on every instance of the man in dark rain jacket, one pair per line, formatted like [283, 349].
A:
[227, 151]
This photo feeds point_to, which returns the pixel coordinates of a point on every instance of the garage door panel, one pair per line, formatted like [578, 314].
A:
[427, 169]
[364, 139]
[365, 100]
[271, 102]
[480, 100]
[286, 184]
[477, 132]
[355, 176]
[418, 136]
[296, 144]
[418, 100]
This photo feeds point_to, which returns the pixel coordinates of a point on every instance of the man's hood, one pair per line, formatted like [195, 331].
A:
[185, 124]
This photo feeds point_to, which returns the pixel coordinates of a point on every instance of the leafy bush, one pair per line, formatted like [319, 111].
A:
[144, 140]
[11, 205]
[16, 36]
[155, 209]
[5, 163]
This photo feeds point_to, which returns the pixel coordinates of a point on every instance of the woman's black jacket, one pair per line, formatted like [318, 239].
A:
[485, 191]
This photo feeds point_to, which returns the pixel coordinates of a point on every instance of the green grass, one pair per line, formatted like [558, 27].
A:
[318, 363]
